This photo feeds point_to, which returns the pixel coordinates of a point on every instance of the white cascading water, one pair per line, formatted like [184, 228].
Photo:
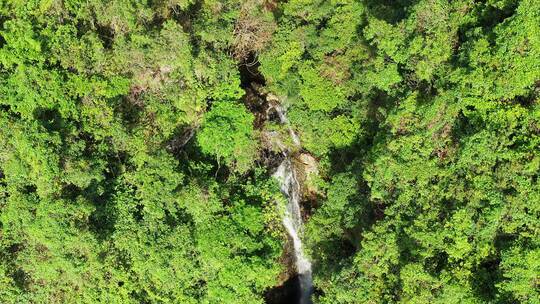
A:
[292, 219]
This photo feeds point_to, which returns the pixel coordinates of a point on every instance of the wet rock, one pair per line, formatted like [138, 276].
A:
[256, 105]
[307, 168]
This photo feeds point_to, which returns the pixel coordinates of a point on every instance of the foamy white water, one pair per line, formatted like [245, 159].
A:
[292, 220]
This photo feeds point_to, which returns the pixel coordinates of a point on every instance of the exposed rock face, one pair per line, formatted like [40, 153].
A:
[287, 259]
[308, 171]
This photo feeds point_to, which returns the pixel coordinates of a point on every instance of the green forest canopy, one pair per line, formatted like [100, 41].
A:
[424, 116]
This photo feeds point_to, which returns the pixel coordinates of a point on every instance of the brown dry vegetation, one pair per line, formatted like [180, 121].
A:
[254, 28]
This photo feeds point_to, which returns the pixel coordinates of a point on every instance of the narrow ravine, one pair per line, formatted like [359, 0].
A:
[292, 219]
[297, 286]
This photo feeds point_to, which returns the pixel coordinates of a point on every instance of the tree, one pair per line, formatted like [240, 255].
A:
[227, 134]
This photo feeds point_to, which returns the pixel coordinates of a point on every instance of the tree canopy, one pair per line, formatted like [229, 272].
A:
[135, 167]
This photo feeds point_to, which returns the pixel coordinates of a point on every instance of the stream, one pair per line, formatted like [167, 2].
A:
[298, 288]
[292, 220]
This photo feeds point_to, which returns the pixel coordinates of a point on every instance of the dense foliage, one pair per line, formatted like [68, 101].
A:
[132, 170]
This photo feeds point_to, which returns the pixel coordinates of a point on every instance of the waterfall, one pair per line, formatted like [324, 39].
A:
[292, 220]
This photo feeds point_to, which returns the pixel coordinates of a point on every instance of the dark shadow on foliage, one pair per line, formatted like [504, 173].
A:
[186, 18]
[50, 119]
[488, 17]
[181, 137]
[392, 11]
[287, 293]
[131, 108]
[484, 279]
[102, 220]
